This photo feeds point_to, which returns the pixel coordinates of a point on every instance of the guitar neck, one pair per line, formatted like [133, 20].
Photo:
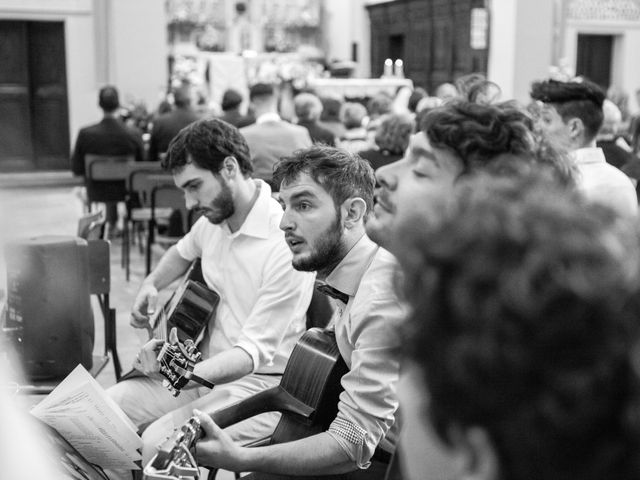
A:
[275, 399]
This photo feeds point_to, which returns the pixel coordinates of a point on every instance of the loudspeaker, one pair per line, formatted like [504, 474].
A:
[49, 305]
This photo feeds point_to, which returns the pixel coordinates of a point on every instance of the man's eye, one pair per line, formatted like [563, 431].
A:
[303, 206]
[419, 173]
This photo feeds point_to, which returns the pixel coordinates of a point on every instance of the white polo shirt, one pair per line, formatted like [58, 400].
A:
[263, 300]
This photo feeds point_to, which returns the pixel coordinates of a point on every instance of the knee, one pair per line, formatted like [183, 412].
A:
[153, 436]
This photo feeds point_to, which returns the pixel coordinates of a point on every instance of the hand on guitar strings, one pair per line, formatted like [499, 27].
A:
[144, 307]
[215, 448]
[147, 359]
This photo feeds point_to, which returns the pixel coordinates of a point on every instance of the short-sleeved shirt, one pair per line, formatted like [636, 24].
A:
[263, 300]
[367, 329]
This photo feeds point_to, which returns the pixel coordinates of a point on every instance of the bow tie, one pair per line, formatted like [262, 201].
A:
[332, 292]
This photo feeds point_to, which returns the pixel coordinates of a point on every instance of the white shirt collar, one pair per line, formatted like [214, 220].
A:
[268, 117]
[257, 222]
[582, 156]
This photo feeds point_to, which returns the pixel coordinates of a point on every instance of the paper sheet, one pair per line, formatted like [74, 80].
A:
[81, 411]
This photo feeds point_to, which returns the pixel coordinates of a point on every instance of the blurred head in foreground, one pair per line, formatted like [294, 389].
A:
[523, 341]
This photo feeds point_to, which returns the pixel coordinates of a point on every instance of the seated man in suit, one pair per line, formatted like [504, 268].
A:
[523, 341]
[270, 138]
[244, 258]
[110, 136]
[327, 194]
[167, 125]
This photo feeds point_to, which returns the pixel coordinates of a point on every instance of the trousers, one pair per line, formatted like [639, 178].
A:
[154, 410]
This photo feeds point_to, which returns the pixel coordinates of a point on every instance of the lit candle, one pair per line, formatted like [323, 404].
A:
[399, 69]
[388, 68]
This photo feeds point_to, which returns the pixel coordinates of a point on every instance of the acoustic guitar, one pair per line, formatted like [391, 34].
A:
[187, 313]
[307, 397]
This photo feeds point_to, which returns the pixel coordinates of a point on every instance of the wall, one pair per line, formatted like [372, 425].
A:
[347, 22]
[138, 35]
[521, 44]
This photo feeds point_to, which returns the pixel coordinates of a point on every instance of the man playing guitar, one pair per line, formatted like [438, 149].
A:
[327, 194]
[244, 257]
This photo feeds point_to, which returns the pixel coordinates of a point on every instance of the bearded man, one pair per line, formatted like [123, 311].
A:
[245, 259]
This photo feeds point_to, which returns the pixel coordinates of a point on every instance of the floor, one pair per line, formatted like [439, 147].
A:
[29, 211]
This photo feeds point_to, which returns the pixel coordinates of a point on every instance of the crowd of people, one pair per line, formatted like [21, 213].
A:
[481, 258]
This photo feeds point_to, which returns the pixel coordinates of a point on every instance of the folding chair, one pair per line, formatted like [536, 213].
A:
[105, 180]
[167, 203]
[143, 177]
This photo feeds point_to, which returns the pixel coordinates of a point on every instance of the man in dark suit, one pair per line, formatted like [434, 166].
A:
[167, 126]
[308, 108]
[270, 138]
[110, 136]
[231, 101]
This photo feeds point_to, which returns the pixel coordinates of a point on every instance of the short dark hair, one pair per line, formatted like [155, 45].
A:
[581, 99]
[108, 99]
[479, 133]
[182, 96]
[231, 99]
[207, 143]
[261, 90]
[525, 324]
[342, 174]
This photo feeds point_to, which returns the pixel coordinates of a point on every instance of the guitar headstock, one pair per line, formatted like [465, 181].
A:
[175, 460]
[176, 361]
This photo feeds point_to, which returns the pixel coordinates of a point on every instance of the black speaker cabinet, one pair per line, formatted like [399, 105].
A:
[49, 305]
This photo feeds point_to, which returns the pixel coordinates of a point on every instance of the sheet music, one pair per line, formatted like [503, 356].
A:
[80, 410]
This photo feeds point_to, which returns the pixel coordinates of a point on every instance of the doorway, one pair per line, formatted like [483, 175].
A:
[594, 58]
[34, 113]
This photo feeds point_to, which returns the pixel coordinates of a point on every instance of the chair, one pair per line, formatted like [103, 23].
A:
[91, 228]
[105, 180]
[168, 210]
[142, 178]
[105, 177]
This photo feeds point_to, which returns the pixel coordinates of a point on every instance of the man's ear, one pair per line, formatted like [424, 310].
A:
[230, 167]
[476, 458]
[576, 128]
[353, 211]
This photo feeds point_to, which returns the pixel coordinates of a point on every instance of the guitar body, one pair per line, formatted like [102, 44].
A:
[189, 310]
[307, 397]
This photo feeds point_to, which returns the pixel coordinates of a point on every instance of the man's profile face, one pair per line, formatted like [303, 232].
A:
[312, 225]
[205, 192]
[411, 189]
[553, 126]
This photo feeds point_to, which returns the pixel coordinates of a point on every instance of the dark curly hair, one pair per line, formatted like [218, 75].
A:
[207, 143]
[342, 174]
[479, 133]
[525, 323]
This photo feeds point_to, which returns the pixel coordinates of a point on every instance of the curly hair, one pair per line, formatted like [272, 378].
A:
[479, 133]
[525, 324]
[392, 135]
[342, 174]
[207, 143]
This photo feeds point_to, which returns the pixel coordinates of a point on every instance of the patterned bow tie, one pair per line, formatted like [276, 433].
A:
[332, 292]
